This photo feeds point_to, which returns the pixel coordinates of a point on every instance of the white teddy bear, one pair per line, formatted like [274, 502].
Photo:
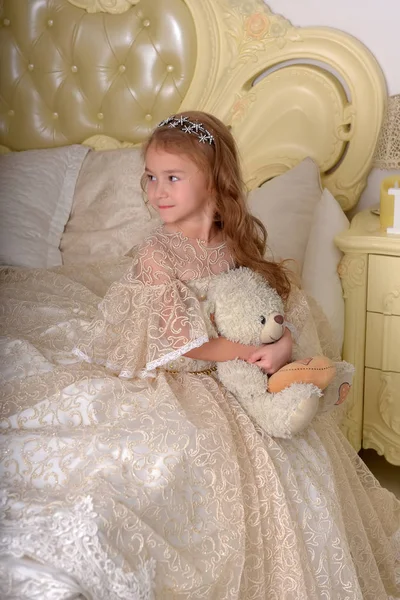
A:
[243, 308]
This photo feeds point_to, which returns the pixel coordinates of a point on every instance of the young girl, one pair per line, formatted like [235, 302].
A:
[245, 515]
[176, 492]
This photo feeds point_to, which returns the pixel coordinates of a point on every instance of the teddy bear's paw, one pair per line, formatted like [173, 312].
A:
[302, 401]
[317, 370]
[338, 390]
[284, 414]
[242, 379]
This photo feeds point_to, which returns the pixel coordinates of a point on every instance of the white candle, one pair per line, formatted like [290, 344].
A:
[395, 191]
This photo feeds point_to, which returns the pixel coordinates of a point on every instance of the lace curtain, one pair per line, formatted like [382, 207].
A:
[387, 152]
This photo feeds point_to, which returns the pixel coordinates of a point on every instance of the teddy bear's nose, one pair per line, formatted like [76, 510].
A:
[278, 319]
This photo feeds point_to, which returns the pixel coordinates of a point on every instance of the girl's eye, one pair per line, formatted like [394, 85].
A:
[150, 177]
[173, 178]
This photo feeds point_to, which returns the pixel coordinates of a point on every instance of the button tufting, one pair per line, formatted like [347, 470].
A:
[146, 23]
[31, 67]
[74, 69]
[50, 22]
[6, 22]
[100, 116]
[122, 68]
[170, 68]
[148, 117]
[55, 115]
[11, 113]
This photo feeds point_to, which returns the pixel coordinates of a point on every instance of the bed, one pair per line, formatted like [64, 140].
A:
[100, 74]
[83, 84]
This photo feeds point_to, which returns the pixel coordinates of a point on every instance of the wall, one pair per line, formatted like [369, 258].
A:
[376, 23]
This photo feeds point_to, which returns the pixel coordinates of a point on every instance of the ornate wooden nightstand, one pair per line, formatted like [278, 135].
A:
[370, 273]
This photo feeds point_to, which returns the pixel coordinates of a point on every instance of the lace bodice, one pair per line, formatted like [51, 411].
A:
[153, 315]
[166, 256]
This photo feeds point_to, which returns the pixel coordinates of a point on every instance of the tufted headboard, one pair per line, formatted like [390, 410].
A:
[105, 72]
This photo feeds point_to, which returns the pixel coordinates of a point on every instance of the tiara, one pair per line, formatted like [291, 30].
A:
[187, 126]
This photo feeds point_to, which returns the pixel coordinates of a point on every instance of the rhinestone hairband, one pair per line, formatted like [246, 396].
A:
[188, 126]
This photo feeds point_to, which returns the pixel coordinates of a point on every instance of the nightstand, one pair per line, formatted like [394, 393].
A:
[370, 274]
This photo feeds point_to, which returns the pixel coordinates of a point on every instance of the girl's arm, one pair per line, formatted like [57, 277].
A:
[269, 357]
[220, 349]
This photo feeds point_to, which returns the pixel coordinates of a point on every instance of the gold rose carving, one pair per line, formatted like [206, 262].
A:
[352, 272]
[252, 25]
[388, 404]
[108, 6]
[241, 107]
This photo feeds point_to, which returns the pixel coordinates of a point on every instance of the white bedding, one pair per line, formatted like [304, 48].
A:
[36, 195]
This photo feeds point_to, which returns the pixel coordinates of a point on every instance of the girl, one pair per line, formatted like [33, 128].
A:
[165, 487]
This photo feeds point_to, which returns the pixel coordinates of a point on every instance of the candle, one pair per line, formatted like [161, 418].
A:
[395, 191]
[387, 200]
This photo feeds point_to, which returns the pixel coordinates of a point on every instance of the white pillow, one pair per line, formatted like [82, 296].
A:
[36, 194]
[320, 278]
[286, 206]
[109, 214]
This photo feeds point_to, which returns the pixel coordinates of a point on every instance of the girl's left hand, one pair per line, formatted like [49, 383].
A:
[271, 357]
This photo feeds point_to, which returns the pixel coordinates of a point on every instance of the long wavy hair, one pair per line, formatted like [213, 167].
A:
[245, 235]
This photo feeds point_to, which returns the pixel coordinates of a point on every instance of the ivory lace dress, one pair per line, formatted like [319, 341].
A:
[134, 475]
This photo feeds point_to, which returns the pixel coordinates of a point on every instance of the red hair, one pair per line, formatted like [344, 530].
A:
[245, 235]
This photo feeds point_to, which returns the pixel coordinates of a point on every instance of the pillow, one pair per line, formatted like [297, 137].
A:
[36, 195]
[286, 206]
[320, 278]
[109, 215]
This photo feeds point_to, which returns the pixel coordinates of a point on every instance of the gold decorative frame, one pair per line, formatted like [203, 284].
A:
[109, 6]
[328, 105]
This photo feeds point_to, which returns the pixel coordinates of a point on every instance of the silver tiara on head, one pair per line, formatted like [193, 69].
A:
[187, 126]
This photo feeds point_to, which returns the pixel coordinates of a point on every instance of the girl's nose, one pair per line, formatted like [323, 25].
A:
[160, 189]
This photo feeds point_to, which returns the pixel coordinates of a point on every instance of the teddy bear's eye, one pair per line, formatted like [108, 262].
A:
[262, 320]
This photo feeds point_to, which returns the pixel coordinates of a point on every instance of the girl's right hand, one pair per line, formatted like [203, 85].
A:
[272, 357]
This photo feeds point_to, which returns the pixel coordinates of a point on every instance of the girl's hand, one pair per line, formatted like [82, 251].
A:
[271, 357]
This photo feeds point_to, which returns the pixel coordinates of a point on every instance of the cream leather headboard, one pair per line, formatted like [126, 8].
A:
[71, 72]
[68, 74]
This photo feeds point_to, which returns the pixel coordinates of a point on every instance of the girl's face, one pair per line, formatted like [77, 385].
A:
[177, 188]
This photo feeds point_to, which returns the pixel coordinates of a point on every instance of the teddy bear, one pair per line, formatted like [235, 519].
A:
[242, 307]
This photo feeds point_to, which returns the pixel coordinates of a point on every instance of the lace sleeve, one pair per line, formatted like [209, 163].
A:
[147, 319]
[306, 341]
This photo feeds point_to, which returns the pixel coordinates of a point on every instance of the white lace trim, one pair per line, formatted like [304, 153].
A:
[109, 365]
[67, 539]
[123, 373]
[177, 353]
[151, 366]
